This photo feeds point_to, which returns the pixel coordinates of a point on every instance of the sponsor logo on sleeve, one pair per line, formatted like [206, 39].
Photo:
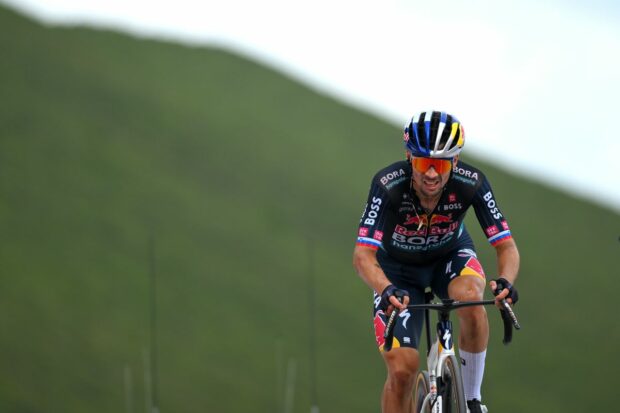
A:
[465, 172]
[505, 225]
[393, 178]
[492, 230]
[363, 232]
[392, 175]
[378, 235]
[465, 175]
[373, 214]
[493, 209]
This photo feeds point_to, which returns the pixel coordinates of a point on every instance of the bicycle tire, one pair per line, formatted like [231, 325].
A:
[452, 387]
[422, 388]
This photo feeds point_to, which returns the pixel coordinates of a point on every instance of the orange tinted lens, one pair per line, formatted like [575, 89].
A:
[423, 164]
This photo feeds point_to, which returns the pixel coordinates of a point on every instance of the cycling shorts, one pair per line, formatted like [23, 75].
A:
[416, 279]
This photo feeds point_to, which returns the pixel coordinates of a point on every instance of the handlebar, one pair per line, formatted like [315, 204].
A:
[508, 317]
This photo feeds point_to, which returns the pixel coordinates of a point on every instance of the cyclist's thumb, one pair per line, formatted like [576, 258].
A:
[396, 302]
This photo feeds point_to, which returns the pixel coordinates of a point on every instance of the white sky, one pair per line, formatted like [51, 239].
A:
[534, 83]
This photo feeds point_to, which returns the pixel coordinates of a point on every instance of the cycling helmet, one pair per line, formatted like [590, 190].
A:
[434, 135]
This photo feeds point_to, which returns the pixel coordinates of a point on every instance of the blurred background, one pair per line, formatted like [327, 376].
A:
[179, 206]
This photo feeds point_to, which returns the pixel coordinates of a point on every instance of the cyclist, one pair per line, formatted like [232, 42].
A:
[412, 236]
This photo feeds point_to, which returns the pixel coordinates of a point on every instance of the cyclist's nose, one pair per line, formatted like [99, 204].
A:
[431, 172]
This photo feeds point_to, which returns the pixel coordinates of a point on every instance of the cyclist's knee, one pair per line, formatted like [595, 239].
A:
[469, 288]
[466, 288]
[474, 316]
[402, 365]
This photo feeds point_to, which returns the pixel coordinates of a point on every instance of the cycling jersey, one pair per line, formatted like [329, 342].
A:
[395, 221]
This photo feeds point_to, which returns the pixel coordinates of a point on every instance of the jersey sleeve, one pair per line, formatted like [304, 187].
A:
[370, 232]
[489, 216]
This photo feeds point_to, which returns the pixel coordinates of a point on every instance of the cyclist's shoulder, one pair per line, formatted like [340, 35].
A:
[393, 175]
[465, 174]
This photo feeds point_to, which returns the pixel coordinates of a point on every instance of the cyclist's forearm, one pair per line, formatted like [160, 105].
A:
[508, 260]
[368, 268]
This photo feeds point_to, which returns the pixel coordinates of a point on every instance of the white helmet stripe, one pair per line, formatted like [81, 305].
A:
[442, 125]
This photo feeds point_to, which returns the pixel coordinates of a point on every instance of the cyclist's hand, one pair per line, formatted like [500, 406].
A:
[503, 289]
[392, 297]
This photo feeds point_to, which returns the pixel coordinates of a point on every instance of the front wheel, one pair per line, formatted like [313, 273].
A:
[452, 387]
[422, 388]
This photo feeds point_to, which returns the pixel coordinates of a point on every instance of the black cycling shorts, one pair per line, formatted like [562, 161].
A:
[416, 279]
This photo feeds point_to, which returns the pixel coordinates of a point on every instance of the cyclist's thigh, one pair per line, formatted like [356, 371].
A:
[408, 327]
[408, 323]
[461, 262]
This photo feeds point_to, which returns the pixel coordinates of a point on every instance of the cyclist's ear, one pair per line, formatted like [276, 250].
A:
[456, 160]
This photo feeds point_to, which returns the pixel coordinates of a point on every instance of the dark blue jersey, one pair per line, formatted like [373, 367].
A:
[395, 221]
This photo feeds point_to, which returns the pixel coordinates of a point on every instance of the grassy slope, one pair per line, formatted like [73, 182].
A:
[107, 139]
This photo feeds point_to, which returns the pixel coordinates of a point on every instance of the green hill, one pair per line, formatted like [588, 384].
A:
[233, 170]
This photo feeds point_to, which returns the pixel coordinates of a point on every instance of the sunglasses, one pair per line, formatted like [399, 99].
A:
[423, 164]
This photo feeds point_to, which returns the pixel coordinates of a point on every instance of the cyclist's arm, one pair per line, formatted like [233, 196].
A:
[368, 268]
[498, 234]
[369, 240]
[370, 236]
[507, 260]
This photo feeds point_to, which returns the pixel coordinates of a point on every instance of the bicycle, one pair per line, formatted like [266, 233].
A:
[439, 389]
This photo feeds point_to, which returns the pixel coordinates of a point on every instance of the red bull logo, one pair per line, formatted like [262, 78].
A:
[379, 328]
[399, 229]
[440, 219]
[420, 221]
[444, 230]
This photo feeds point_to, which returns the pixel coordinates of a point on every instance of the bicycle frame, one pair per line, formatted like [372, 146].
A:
[437, 354]
[442, 348]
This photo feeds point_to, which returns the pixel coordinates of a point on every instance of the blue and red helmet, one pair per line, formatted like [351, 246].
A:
[434, 135]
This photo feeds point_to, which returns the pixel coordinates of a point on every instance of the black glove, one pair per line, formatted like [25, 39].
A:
[389, 291]
[502, 283]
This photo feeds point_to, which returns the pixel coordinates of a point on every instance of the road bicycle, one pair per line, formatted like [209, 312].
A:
[439, 389]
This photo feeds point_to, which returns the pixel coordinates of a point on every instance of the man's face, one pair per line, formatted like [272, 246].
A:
[430, 175]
